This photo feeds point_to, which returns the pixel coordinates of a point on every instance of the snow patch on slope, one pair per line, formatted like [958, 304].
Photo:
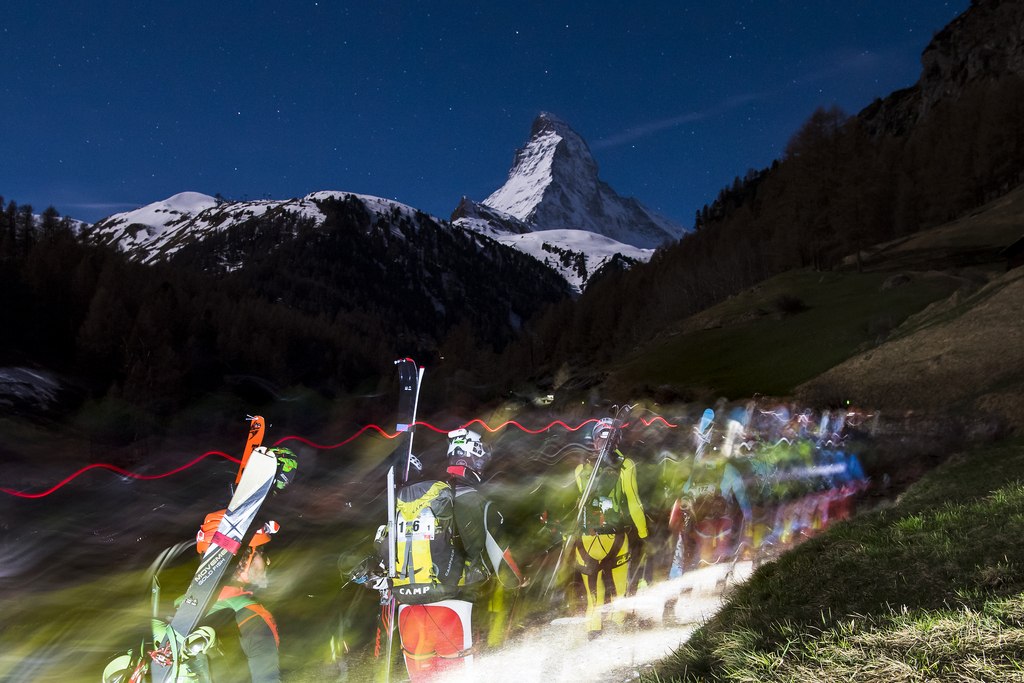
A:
[593, 251]
[29, 387]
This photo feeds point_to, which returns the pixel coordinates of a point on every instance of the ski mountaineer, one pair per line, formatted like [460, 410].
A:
[237, 607]
[612, 513]
[487, 545]
[449, 542]
[180, 643]
[235, 611]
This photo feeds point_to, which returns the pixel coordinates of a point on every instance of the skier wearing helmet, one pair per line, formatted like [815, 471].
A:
[256, 628]
[480, 527]
[612, 512]
[449, 542]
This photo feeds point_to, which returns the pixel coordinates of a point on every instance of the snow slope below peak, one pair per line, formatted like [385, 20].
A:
[575, 254]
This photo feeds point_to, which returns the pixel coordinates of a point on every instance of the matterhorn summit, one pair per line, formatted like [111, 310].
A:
[553, 185]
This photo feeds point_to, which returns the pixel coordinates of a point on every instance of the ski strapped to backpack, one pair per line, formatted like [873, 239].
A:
[410, 376]
[409, 379]
[702, 432]
[255, 483]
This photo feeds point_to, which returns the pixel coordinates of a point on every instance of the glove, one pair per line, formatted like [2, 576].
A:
[370, 575]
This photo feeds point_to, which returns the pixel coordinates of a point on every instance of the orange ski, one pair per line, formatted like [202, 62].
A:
[256, 428]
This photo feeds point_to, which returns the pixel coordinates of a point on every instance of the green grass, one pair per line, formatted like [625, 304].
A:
[772, 355]
[930, 589]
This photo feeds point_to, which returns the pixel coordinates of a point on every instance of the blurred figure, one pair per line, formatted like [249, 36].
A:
[662, 469]
[713, 510]
[611, 512]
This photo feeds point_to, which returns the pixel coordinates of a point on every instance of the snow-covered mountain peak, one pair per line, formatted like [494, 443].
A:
[554, 153]
[163, 215]
[574, 158]
[554, 185]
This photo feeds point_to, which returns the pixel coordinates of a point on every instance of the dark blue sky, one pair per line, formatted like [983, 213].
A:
[111, 105]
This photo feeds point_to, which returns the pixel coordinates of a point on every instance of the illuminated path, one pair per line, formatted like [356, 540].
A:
[560, 652]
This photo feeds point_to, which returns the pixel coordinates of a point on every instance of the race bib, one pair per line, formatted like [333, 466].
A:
[419, 529]
[702, 490]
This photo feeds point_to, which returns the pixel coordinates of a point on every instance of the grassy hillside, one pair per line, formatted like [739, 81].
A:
[929, 589]
[973, 239]
[788, 330]
[965, 354]
[791, 329]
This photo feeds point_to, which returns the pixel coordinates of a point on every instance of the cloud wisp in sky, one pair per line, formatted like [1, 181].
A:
[646, 129]
[841, 65]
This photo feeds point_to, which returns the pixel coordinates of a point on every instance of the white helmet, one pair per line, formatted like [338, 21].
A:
[467, 452]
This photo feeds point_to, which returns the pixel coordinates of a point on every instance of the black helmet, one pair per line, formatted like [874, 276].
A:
[467, 453]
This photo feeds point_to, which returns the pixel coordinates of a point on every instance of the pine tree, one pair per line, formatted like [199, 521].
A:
[49, 223]
[26, 228]
[11, 218]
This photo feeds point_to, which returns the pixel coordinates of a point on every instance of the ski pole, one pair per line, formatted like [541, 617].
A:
[511, 615]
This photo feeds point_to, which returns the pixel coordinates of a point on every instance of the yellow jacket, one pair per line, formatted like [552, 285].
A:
[624, 490]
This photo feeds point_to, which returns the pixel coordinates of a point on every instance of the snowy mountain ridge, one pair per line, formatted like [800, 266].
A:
[553, 207]
[157, 230]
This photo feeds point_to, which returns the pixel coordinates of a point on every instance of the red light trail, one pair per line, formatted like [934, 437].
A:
[115, 468]
[383, 433]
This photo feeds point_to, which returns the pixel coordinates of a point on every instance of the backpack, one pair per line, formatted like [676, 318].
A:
[603, 513]
[703, 491]
[428, 561]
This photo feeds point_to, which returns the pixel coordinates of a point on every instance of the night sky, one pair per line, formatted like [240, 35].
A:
[109, 105]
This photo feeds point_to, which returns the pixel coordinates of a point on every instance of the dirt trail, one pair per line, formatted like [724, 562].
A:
[666, 614]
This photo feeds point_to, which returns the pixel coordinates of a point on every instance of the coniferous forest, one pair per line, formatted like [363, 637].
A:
[273, 302]
[276, 302]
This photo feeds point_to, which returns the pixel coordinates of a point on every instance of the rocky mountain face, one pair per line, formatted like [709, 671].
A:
[984, 43]
[554, 185]
[487, 220]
